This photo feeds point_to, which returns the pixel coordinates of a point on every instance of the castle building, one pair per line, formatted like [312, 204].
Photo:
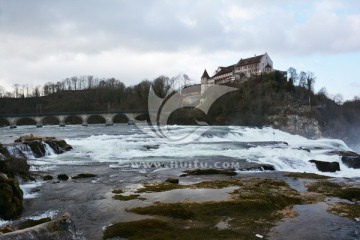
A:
[242, 70]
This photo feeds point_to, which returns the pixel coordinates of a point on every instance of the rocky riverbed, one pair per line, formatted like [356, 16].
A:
[96, 201]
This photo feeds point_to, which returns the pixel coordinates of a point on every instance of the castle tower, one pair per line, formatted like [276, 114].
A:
[204, 81]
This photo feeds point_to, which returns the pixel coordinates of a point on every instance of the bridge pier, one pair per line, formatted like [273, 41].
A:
[39, 123]
[84, 119]
[61, 121]
[12, 122]
[109, 118]
[131, 117]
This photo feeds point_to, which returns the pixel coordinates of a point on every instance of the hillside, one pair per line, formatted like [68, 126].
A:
[264, 100]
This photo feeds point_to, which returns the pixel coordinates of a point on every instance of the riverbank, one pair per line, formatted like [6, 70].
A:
[93, 207]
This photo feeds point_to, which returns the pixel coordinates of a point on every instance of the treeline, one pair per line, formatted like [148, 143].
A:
[95, 95]
[76, 83]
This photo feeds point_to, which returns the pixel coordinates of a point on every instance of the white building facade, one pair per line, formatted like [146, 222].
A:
[242, 70]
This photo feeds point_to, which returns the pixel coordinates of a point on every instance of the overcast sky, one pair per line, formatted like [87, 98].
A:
[48, 41]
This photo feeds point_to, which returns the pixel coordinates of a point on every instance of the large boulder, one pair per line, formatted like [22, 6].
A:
[15, 166]
[59, 229]
[326, 166]
[14, 163]
[350, 159]
[11, 197]
[38, 147]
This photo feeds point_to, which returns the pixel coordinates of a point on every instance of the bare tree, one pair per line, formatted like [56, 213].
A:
[310, 82]
[302, 79]
[293, 75]
[36, 91]
[90, 82]
[2, 91]
[74, 81]
[16, 90]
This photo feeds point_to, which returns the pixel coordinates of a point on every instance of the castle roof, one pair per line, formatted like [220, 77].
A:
[247, 61]
[225, 70]
[205, 74]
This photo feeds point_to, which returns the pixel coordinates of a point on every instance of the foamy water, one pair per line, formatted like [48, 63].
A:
[121, 144]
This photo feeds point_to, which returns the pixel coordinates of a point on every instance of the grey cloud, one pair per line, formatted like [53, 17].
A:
[36, 32]
[95, 26]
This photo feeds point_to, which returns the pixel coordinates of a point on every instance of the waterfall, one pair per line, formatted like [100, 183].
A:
[20, 151]
[48, 150]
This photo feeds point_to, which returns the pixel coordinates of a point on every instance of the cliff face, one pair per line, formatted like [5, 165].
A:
[295, 124]
[298, 120]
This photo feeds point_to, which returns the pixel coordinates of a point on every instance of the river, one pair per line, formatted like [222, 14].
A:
[124, 145]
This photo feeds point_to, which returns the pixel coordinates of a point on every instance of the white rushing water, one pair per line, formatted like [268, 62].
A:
[122, 144]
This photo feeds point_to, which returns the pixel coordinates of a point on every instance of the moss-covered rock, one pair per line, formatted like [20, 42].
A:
[11, 197]
[172, 180]
[254, 208]
[128, 197]
[31, 223]
[306, 176]
[335, 190]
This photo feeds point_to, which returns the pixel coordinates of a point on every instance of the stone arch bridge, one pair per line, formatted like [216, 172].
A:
[13, 119]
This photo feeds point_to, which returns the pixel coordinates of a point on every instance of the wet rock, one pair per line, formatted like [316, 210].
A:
[6, 229]
[61, 228]
[305, 149]
[15, 166]
[37, 147]
[351, 162]
[261, 167]
[326, 166]
[350, 159]
[19, 166]
[150, 147]
[84, 175]
[172, 180]
[37, 144]
[11, 197]
[28, 138]
[63, 177]
[59, 146]
[48, 177]
[27, 223]
[228, 172]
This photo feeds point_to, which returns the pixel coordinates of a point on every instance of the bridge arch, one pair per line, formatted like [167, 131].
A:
[95, 119]
[25, 121]
[73, 120]
[51, 120]
[120, 118]
[4, 122]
